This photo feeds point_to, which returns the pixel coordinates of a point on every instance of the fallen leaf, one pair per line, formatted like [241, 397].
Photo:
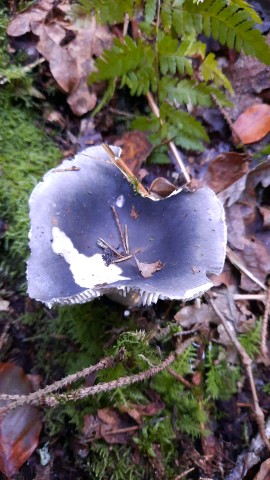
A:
[264, 472]
[68, 47]
[135, 149]
[110, 425]
[147, 269]
[137, 412]
[162, 187]
[253, 124]
[19, 428]
[226, 169]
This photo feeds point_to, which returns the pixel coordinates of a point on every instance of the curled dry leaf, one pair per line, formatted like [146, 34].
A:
[162, 187]
[253, 124]
[68, 47]
[225, 169]
[19, 428]
[135, 149]
[148, 269]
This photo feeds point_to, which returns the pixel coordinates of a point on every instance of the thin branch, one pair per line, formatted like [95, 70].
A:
[171, 144]
[37, 397]
[259, 297]
[179, 378]
[41, 398]
[247, 362]
[123, 239]
[125, 170]
[263, 346]
[237, 262]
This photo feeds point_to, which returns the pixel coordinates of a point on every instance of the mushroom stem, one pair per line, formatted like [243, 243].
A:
[171, 144]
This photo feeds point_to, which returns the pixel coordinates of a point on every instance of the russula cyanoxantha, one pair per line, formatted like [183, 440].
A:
[74, 214]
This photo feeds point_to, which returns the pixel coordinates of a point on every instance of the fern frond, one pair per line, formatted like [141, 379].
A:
[172, 57]
[140, 82]
[211, 71]
[150, 10]
[104, 11]
[166, 14]
[248, 8]
[230, 24]
[185, 92]
[122, 58]
[182, 128]
[251, 340]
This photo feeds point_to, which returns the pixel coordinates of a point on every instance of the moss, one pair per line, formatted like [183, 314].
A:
[26, 153]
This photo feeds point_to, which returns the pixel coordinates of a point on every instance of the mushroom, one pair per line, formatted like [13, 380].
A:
[93, 234]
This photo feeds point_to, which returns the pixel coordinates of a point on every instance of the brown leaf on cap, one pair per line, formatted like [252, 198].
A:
[226, 169]
[253, 124]
[147, 269]
[135, 149]
[162, 187]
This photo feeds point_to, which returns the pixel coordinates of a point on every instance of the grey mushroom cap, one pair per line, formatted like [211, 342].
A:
[72, 209]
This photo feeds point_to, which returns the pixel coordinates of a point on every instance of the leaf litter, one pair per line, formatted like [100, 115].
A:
[244, 192]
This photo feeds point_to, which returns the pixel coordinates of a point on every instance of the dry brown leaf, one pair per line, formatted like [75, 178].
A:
[148, 269]
[264, 472]
[253, 124]
[226, 169]
[135, 149]
[19, 428]
[162, 187]
[110, 425]
[68, 47]
[137, 412]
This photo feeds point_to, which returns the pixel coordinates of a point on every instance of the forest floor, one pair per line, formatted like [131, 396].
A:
[205, 415]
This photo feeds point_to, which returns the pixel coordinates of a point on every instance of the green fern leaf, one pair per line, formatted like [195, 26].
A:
[211, 71]
[104, 11]
[229, 24]
[185, 91]
[150, 10]
[172, 56]
[248, 8]
[166, 14]
[123, 57]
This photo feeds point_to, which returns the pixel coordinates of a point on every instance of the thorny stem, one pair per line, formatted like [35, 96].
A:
[171, 144]
[41, 397]
[247, 363]
[263, 346]
[37, 397]
[124, 169]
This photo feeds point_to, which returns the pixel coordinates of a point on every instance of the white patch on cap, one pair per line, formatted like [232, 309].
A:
[87, 271]
[120, 201]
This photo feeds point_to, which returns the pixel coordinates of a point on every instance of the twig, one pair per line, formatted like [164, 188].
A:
[100, 241]
[179, 378]
[125, 170]
[41, 398]
[184, 474]
[125, 24]
[263, 346]
[36, 397]
[247, 363]
[237, 262]
[260, 297]
[116, 216]
[171, 144]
